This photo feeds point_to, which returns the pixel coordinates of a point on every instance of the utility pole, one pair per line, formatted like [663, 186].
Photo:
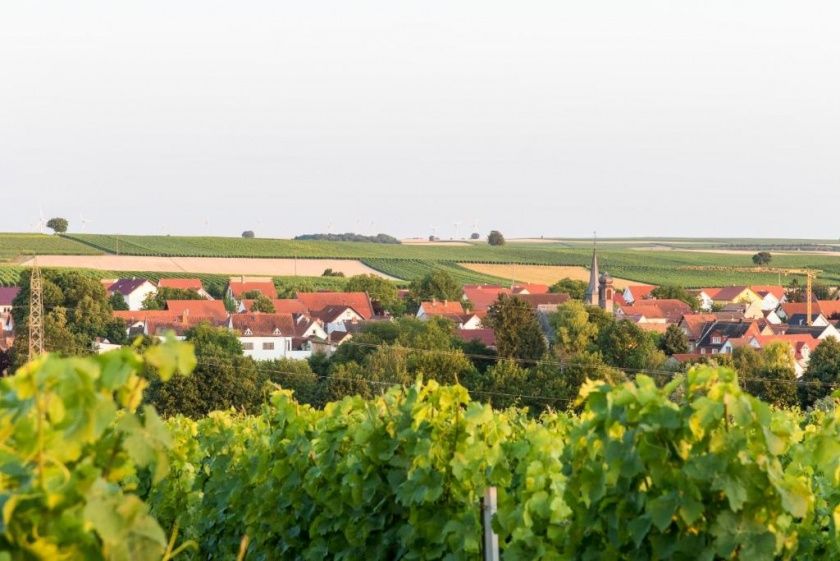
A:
[36, 313]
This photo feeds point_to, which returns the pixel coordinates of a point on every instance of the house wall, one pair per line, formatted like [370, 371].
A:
[338, 323]
[135, 299]
[282, 347]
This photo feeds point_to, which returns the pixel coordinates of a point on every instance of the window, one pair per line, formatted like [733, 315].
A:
[268, 346]
[247, 346]
[716, 340]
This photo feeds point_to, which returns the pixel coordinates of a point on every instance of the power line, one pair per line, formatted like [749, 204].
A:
[206, 361]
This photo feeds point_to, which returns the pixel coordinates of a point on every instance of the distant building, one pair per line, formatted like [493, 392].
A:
[134, 291]
[600, 291]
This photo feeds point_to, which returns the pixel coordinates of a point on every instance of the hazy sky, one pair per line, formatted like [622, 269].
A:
[541, 117]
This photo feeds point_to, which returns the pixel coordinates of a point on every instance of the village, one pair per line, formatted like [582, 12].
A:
[272, 328]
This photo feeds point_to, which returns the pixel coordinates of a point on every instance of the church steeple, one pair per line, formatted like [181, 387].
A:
[591, 295]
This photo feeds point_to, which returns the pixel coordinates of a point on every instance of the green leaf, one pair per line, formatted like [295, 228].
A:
[639, 528]
[662, 510]
[171, 357]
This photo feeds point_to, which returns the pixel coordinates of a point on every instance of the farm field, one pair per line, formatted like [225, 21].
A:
[210, 265]
[14, 245]
[648, 260]
[410, 269]
[545, 274]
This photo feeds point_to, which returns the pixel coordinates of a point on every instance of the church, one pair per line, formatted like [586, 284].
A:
[600, 291]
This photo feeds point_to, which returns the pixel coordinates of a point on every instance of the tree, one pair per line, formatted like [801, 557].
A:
[437, 285]
[518, 333]
[205, 338]
[574, 333]
[475, 236]
[496, 238]
[383, 293]
[823, 372]
[251, 295]
[762, 258]
[295, 375]
[117, 301]
[248, 234]
[77, 310]
[574, 288]
[774, 380]
[624, 345]
[58, 225]
[331, 273]
[157, 300]
[676, 293]
[222, 379]
[504, 384]
[673, 341]
[263, 304]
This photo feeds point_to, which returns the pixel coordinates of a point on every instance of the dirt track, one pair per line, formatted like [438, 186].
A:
[208, 265]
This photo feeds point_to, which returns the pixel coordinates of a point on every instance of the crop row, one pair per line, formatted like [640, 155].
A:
[410, 269]
[15, 245]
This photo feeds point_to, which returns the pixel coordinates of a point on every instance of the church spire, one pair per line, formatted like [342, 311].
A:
[591, 294]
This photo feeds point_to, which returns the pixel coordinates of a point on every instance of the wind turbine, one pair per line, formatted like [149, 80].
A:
[83, 222]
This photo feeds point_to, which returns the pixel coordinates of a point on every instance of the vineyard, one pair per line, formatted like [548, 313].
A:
[697, 469]
[635, 261]
[416, 268]
[14, 245]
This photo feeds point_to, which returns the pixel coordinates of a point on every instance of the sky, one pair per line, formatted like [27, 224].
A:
[537, 118]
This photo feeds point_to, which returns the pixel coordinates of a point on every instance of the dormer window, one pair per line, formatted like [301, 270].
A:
[248, 332]
[276, 331]
[716, 339]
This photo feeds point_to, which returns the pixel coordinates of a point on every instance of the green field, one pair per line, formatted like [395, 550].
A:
[410, 269]
[15, 245]
[650, 260]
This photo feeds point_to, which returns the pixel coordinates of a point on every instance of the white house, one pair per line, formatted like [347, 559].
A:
[134, 291]
[704, 296]
[272, 336]
[772, 296]
[336, 318]
[470, 321]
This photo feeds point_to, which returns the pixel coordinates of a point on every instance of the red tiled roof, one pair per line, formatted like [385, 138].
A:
[655, 327]
[317, 301]
[267, 289]
[183, 284]
[484, 335]
[671, 309]
[764, 289]
[640, 291]
[482, 296]
[531, 288]
[199, 308]
[547, 299]
[829, 308]
[144, 315]
[728, 293]
[264, 325]
[438, 308]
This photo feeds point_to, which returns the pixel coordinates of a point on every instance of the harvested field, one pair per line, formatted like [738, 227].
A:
[211, 265]
[545, 274]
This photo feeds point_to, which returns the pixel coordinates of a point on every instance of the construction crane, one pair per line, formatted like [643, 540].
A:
[809, 274]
